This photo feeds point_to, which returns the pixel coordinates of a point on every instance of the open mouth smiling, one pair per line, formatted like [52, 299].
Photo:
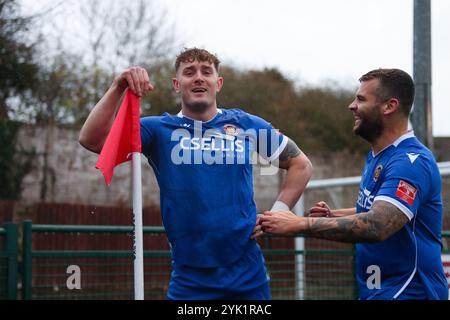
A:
[198, 90]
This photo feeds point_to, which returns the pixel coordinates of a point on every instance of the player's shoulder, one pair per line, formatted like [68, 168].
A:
[242, 116]
[412, 154]
[155, 120]
[234, 112]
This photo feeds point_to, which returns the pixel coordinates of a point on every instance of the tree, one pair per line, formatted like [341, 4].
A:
[122, 35]
[163, 98]
[18, 74]
[266, 93]
[329, 123]
[18, 71]
[111, 35]
[15, 161]
[71, 80]
[316, 118]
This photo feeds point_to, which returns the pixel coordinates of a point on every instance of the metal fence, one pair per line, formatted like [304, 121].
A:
[104, 273]
[8, 261]
[108, 274]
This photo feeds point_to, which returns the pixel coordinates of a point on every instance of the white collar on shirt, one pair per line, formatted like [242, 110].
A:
[181, 115]
[405, 136]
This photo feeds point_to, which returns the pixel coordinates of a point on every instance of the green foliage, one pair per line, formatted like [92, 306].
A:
[266, 93]
[163, 98]
[17, 69]
[327, 121]
[68, 90]
[15, 162]
[316, 118]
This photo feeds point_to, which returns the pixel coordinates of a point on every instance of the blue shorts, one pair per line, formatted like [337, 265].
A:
[246, 279]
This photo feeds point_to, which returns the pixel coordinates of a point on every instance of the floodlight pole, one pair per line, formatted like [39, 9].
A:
[421, 117]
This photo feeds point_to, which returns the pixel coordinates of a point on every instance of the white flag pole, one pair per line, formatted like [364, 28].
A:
[138, 246]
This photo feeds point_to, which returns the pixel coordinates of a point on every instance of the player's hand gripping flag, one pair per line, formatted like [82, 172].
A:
[123, 139]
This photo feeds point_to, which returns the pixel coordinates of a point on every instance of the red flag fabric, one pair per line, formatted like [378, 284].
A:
[123, 139]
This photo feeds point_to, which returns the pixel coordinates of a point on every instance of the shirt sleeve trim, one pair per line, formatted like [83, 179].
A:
[396, 203]
[280, 149]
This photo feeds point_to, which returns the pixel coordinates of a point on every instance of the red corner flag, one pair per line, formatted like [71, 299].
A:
[123, 139]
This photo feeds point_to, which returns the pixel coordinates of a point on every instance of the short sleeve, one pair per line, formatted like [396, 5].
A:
[270, 142]
[405, 184]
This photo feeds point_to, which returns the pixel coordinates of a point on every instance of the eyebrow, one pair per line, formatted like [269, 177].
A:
[189, 68]
[193, 68]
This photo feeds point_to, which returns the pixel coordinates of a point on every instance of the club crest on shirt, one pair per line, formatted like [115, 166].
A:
[376, 175]
[406, 192]
[231, 130]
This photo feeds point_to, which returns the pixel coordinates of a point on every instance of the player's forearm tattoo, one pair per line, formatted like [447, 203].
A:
[378, 224]
[290, 151]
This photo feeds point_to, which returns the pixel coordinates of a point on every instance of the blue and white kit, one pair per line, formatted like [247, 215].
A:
[204, 171]
[404, 174]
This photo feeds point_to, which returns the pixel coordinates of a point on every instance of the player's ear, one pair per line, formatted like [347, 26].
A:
[219, 83]
[176, 85]
[392, 105]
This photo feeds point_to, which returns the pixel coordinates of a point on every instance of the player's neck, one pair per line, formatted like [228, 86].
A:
[389, 135]
[204, 116]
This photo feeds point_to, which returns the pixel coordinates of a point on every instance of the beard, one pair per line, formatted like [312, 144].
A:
[198, 107]
[370, 126]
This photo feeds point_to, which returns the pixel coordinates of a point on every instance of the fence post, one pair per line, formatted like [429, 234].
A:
[355, 280]
[12, 251]
[27, 260]
[300, 275]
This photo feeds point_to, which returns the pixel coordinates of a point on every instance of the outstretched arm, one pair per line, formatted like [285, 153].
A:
[379, 223]
[99, 122]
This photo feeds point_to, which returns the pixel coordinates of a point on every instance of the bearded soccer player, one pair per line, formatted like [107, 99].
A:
[397, 221]
[202, 159]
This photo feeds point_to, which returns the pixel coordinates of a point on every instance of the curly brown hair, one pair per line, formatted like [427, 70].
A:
[195, 54]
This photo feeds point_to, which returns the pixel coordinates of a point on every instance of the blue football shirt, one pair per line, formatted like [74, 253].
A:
[204, 171]
[406, 175]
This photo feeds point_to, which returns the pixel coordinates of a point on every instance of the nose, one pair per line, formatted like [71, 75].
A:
[352, 106]
[198, 76]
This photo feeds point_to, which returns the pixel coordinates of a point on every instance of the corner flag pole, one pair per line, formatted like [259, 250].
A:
[138, 233]
[124, 139]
